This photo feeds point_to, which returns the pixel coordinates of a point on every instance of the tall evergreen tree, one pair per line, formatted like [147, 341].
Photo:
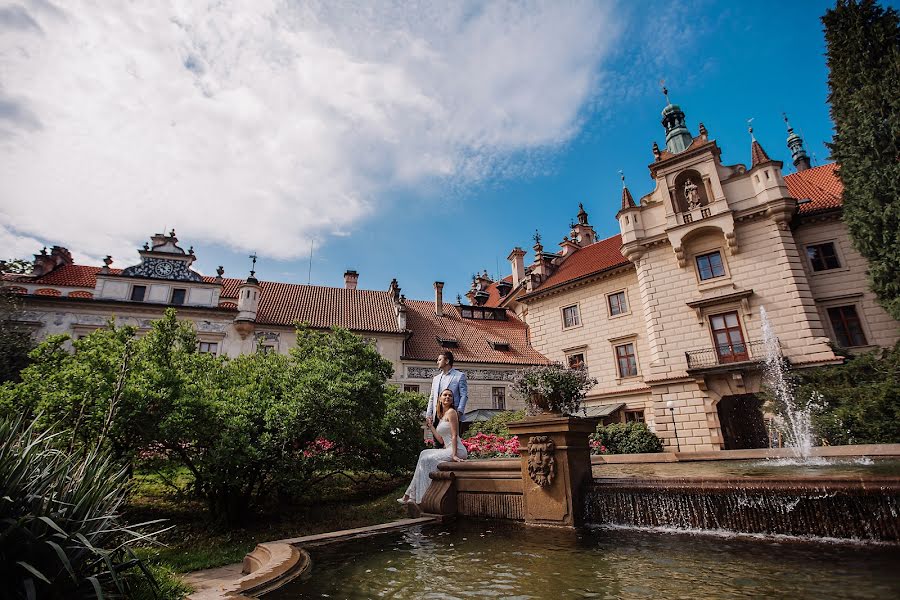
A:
[864, 61]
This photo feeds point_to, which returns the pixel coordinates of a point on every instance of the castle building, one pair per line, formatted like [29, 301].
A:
[667, 313]
[239, 316]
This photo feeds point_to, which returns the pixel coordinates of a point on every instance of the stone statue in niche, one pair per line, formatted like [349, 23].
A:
[691, 194]
[541, 460]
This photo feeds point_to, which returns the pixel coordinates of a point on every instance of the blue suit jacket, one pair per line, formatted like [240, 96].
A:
[457, 383]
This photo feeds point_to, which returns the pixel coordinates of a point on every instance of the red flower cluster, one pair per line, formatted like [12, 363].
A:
[320, 446]
[489, 445]
[597, 447]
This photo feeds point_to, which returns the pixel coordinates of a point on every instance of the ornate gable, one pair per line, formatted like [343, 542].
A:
[164, 260]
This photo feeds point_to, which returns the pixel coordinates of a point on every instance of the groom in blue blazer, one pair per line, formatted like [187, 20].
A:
[447, 378]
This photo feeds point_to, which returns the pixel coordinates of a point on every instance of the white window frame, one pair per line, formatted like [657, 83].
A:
[562, 314]
[625, 312]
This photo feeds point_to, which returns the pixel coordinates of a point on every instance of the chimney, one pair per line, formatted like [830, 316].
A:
[439, 298]
[517, 260]
[350, 279]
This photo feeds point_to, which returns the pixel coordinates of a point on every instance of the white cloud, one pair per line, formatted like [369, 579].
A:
[263, 124]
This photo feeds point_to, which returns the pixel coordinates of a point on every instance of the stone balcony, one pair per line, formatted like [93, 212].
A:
[726, 357]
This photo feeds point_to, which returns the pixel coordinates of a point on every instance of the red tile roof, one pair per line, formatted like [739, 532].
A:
[473, 335]
[66, 275]
[820, 185]
[361, 310]
[757, 154]
[494, 295]
[598, 257]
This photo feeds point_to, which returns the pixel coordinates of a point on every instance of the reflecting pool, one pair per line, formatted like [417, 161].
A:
[478, 559]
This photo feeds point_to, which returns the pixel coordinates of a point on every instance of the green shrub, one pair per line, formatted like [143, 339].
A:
[857, 402]
[60, 531]
[247, 428]
[625, 438]
[496, 425]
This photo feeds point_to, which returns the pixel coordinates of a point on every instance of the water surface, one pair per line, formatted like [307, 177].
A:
[478, 559]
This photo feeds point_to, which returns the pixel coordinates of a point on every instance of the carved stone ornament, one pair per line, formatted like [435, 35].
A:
[691, 193]
[541, 460]
[159, 268]
[471, 374]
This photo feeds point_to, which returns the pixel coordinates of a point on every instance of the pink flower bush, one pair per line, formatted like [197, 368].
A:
[318, 447]
[489, 445]
[596, 446]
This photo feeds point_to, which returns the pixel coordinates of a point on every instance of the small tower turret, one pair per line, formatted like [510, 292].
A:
[583, 233]
[795, 143]
[248, 302]
[678, 138]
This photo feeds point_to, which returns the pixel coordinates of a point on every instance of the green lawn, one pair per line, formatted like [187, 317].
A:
[195, 542]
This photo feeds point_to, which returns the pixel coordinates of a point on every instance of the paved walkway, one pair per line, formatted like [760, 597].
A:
[208, 583]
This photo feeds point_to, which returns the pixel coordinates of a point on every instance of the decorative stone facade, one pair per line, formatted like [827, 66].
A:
[673, 333]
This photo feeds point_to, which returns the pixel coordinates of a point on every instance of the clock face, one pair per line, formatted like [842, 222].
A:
[163, 269]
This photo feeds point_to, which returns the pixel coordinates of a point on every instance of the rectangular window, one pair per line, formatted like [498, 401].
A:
[137, 293]
[265, 348]
[576, 361]
[571, 318]
[626, 360]
[617, 305]
[847, 326]
[823, 257]
[710, 266]
[411, 388]
[178, 295]
[634, 416]
[210, 347]
[498, 398]
[728, 337]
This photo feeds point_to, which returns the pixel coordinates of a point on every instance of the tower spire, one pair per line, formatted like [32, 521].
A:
[627, 199]
[757, 154]
[795, 143]
[678, 138]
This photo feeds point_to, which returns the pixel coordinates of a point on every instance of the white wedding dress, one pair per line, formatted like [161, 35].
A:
[429, 460]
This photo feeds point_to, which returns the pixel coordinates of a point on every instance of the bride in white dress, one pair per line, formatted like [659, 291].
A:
[446, 433]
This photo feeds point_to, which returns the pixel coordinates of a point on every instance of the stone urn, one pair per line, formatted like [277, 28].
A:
[545, 405]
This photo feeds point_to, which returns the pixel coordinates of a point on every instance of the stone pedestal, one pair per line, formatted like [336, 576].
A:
[556, 467]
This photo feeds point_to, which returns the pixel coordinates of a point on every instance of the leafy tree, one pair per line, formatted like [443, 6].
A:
[15, 339]
[244, 427]
[77, 389]
[864, 60]
[496, 425]
[401, 431]
[19, 266]
[857, 402]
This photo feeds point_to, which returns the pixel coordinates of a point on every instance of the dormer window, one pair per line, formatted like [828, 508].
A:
[448, 342]
[482, 312]
[501, 346]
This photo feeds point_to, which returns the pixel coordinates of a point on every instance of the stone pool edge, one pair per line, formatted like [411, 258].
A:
[855, 450]
[273, 564]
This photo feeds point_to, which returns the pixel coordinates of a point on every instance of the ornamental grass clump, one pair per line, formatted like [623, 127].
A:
[61, 535]
[552, 388]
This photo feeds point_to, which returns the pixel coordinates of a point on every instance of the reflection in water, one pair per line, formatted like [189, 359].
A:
[474, 559]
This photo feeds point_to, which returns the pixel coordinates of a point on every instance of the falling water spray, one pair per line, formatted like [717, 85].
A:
[798, 419]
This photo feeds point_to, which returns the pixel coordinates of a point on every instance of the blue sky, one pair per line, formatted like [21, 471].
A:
[422, 145]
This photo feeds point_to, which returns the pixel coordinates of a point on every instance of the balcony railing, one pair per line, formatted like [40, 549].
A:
[726, 354]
